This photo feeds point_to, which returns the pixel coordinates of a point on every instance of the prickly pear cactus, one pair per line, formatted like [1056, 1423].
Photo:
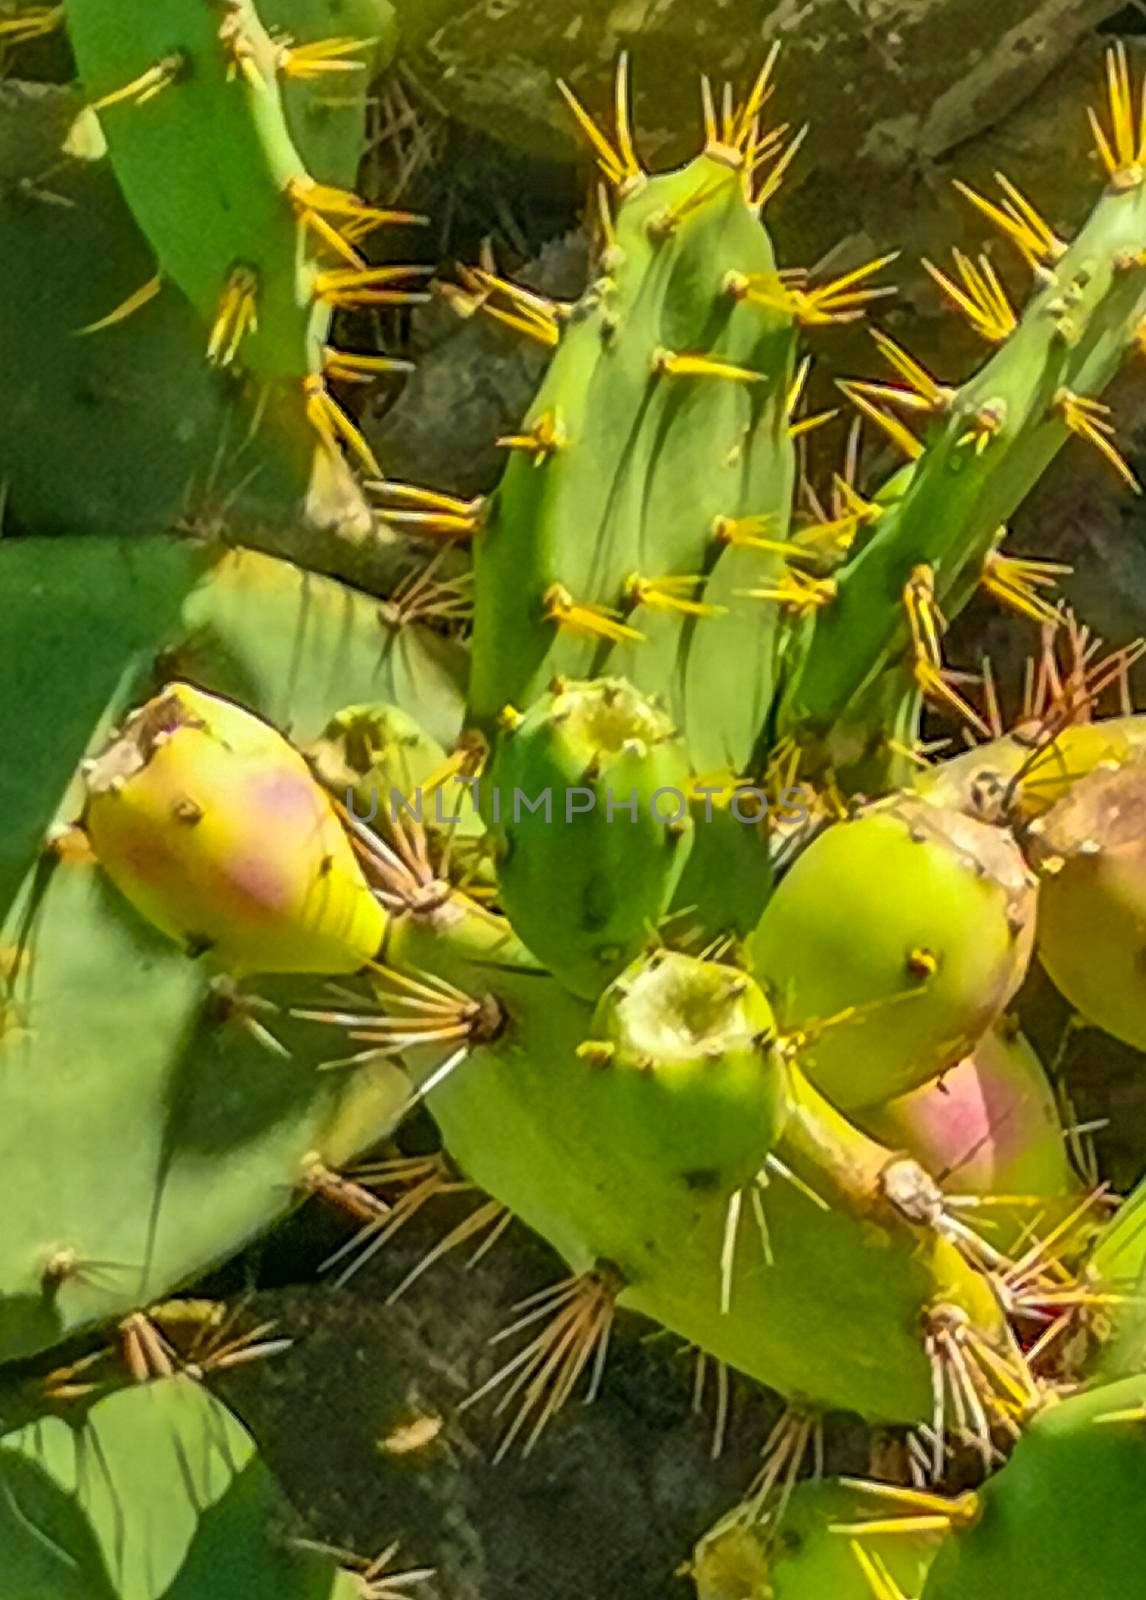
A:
[684, 980]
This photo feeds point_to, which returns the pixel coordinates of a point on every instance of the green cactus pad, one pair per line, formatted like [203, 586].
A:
[947, 511]
[531, 1121]
[1063, 1518]
[200, 145]
[586, 800]
[1091, 849]
[894, 940]
[664, 411]
[157, 1493]
[211, 1103]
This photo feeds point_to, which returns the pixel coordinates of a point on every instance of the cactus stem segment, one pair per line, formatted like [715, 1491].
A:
[927, 626]
[586, 621]
[334, 426]
[135, 301]
[148, 84]
[34, 22]
[321, 57]
[238, 315]
[618, 162]
[838, 301]
[896, 431]
[1017, 583]
[670, 594]
[982, 298]
[1124, 151]
[577, 1317]
[1089, 419]
[1019, 221]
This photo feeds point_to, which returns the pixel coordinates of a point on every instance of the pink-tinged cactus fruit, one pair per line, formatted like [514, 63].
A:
[989, 1127]
[212, 826]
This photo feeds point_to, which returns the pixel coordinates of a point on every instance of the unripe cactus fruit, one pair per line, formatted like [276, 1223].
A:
[895, 939]
[990, 1126]
[212, 826]
[690, 1077]
[1091, 848]
[586, 796]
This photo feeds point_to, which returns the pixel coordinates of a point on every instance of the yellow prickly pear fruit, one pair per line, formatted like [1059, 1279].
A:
[893, 942]
[1091, 849]
[211, 824]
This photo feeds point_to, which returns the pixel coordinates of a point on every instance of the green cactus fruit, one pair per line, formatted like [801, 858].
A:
[156, 1493]
[213, 827]
[689, 1074]
[894, 941]
[586, 798]
[762, 1279]
[652, 478]
[189, 100]
[1091, 851]
[1063, 1517]
[807, 1554]
[991, 1127]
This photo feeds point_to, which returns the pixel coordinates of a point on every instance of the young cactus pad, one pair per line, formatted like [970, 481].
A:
[894, 941]
[631, 520]
[586, 797]
[213, 827]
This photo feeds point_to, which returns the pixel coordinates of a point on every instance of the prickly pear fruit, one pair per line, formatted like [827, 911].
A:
[803, 1555]
[586, 796]
[213, 827]
[1064, 1516]
[894, 940]
[689, 1075]
[1091, 849]
[989, 1126]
